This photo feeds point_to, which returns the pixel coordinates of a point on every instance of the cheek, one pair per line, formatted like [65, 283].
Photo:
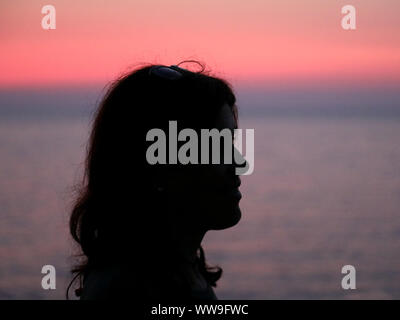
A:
[216, 176]
[204, 182]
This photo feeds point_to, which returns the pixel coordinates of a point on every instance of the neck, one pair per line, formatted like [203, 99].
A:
[188, 242]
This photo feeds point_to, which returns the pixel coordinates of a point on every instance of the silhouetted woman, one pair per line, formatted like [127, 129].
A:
[140, 226]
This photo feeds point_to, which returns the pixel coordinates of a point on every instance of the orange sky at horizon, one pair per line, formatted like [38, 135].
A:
[255, 41]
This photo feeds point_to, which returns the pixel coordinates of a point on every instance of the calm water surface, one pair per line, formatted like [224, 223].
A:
[324, 193]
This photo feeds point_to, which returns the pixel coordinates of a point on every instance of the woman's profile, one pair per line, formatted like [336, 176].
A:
[140, 226]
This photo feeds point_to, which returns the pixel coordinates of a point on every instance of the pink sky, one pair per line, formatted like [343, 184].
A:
[285, 41]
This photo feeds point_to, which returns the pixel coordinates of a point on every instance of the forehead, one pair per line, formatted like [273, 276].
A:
[226, 118]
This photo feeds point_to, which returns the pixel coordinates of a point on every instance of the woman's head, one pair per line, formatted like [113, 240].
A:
[125, 202]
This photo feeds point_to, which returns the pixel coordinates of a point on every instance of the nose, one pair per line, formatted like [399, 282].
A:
[238, 182]
[238, 161]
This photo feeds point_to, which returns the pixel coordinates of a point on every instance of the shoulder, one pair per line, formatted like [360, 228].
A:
[110, 283]
[120, 282]
[123, 282]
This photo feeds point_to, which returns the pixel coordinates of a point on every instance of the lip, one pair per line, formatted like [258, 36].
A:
[237, 183]
[235, 193]
[232, 190]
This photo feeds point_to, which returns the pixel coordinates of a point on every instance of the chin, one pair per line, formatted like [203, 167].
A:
[228, 219]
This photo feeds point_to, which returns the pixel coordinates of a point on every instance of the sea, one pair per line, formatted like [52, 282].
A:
[324, 194]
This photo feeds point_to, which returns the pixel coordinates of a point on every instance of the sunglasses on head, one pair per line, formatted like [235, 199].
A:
[172, 72]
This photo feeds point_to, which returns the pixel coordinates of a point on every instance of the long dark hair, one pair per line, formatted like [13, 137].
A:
[117, 209]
